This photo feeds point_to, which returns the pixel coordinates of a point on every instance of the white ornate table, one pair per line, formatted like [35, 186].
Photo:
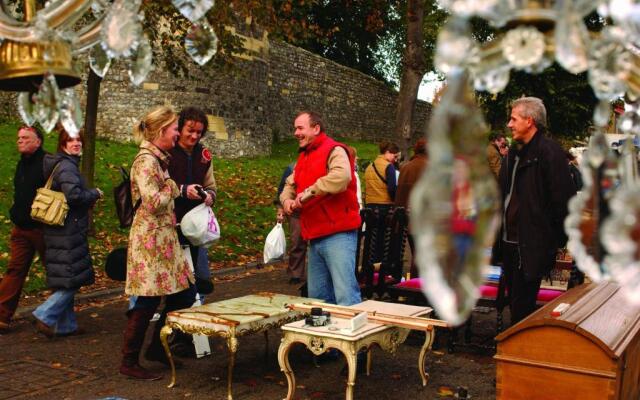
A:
[231, 319]
[337, 336]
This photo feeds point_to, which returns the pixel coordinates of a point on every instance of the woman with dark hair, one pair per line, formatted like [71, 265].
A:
[380, 191]
[68, 262]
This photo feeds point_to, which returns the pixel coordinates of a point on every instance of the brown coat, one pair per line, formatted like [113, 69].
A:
[409, 175]
[494, 159]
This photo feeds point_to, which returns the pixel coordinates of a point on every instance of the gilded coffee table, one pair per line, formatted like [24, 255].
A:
[231, 319]
[337, 336]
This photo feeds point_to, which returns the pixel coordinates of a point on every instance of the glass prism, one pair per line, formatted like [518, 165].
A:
[571, 38]
[193, 10]
[454, 205]
[621, 237]
[99, 61]
[141, 63]
[201, 42]
[456, 48]
[45, 103]
[25, 108]
[71, 116]
[523, 46]
[121, 29]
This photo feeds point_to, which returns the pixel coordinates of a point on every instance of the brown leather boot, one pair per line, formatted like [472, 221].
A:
[137, 325]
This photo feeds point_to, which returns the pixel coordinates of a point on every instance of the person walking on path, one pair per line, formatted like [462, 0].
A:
[192, 170]
[296, 269]
[409, 175]
[156, 264]
[380, 192]
[26, 235]
[322, 186]
[536, 186]
[68, 262]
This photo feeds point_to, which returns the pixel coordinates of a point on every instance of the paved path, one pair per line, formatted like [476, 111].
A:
[85, 367]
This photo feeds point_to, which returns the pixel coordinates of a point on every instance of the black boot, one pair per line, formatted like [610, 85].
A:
[137, 325]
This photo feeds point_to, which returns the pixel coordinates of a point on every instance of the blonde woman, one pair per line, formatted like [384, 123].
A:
[156, 265]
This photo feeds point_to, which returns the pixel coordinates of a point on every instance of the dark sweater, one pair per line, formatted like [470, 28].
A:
[27, 179]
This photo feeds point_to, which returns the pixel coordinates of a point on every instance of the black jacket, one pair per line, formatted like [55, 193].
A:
[544, 186]
[67, 256]
[27, 179]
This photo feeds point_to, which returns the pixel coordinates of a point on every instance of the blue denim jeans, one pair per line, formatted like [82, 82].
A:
[331, 270]
[57, 312]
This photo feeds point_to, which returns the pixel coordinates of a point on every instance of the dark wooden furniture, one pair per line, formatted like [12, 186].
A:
[375, 278]
[591, 351]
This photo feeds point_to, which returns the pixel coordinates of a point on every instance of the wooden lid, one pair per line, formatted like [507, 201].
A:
[599, 312]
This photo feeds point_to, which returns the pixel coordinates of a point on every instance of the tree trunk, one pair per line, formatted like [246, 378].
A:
[413, 70]
[90, 119]
[89, 143]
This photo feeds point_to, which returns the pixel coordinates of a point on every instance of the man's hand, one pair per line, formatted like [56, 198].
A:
[279, 215]
[208, 200]
[298, 201]
[289, 206]
[192, 192]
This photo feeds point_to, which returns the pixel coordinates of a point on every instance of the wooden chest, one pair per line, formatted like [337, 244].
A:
[591, 351]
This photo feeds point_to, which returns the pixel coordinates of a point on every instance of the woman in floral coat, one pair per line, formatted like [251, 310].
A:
[156, 265]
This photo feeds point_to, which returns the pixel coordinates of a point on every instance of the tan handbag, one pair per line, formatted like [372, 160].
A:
[49, 207]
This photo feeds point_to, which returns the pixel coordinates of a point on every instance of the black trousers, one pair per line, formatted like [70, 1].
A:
[522, 292]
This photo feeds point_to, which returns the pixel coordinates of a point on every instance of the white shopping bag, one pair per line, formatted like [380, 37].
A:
[200, 226]
[276, 244]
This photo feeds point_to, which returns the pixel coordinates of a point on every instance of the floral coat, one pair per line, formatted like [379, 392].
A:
[156, 264]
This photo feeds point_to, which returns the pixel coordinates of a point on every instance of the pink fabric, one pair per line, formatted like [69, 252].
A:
[413, 283]
[546, 295]
[486, 291]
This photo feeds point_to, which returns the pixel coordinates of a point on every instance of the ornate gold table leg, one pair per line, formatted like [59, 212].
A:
[350, 353]
[285, 367]
[369, 360]
[164, 335]
[232, 344]
[428, 342]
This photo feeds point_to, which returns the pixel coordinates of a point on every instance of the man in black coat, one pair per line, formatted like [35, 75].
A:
[26, 235]
[536, 186]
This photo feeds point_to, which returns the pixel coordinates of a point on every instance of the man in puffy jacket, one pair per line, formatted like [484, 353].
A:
[322, 186]
[26, 235]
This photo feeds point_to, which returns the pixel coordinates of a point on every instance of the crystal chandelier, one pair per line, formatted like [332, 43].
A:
[36, 54]
[604, 221]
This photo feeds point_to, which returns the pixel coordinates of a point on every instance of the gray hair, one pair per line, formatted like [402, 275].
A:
[532, 107]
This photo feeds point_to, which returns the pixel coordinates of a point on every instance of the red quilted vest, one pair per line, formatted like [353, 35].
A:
[331, 213]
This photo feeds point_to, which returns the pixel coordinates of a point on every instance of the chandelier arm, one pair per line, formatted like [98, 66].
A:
[60, 13]
[89, 36]
[66, 13]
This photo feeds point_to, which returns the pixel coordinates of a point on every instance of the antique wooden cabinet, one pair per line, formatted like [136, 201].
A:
[591, 351]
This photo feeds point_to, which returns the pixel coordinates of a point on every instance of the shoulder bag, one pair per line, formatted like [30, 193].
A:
[49, 207]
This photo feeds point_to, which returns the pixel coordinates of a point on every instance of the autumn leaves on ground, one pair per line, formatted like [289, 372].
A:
[244, 208]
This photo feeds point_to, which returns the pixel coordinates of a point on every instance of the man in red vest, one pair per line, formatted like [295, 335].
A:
[323, 187]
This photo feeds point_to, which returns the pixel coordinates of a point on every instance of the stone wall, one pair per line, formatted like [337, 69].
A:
[255, 102]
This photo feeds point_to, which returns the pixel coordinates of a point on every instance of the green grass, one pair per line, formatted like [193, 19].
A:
[246, 190]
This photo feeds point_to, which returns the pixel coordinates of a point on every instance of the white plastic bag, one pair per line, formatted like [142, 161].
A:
[200, 226]
[276, 244]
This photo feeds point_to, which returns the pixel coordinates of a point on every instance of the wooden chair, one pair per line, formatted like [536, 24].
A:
[375, 278]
